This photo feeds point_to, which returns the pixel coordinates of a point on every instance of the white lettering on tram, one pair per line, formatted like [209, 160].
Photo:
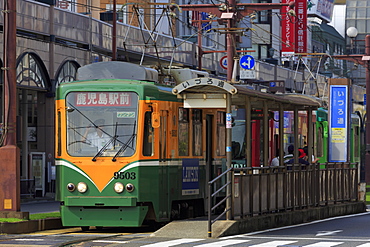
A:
[190, 174]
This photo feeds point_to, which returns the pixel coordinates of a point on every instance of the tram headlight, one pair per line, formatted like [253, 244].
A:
[119, 187]
[71, 187]
[130, 187]
[81, 187]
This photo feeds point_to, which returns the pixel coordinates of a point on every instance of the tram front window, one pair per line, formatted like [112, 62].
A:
[101, 123]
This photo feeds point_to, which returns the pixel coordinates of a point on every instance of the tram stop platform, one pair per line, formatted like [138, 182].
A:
[198, 227]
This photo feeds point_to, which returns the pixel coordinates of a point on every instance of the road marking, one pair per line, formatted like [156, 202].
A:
[364, 245]
[29, 239]
[324, 244]
[326, 233]
[273, 243]
[111, 241]
[173, 242]
[303, 224]
[223, 243]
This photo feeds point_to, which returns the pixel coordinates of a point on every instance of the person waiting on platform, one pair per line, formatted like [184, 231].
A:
[301, 159]
[275, 161]
[313, 160]
[95, 136]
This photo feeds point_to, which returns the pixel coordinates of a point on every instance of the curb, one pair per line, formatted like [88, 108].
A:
[30, 226]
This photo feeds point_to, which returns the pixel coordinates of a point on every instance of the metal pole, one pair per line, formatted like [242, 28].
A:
[9, 152]
[265, 135]
[230, 51]
[199, 22]
[114, 32]
[229, 214]
[367, 122]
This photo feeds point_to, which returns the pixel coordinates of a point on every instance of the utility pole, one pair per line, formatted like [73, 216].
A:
[231, 12]
[9, 152]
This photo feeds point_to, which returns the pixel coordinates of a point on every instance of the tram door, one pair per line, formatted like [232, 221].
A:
[163, 165]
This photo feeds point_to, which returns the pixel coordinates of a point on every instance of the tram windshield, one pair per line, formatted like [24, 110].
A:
[101, 124]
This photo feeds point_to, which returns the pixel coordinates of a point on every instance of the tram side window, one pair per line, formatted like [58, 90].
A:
[148, 135]
[183, 132]
[197, 132]
[221, 134]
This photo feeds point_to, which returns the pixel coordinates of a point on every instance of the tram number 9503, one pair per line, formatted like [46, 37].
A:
[125, 175]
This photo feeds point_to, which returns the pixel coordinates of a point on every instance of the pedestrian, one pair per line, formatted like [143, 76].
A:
[301, 159]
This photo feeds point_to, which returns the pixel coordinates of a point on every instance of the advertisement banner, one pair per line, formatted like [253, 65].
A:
[321, 8]
[301, 26]
[287, 31]
[190, 176]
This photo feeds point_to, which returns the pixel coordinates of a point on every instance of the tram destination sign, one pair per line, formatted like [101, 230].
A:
[102, 99]
[204, 81]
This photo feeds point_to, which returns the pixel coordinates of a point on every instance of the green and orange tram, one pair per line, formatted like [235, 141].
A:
[128, 153]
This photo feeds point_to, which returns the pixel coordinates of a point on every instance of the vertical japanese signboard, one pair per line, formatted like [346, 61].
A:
[338, 123]
[301, 26]
[287, 33]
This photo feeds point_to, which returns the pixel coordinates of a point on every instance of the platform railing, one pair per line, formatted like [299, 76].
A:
[268, 190]
[219, 193]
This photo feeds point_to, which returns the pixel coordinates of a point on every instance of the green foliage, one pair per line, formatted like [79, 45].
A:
[33, 217]
[10, 220]
[44, 216]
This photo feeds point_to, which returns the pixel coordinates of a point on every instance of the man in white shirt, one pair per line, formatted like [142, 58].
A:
[97, 138]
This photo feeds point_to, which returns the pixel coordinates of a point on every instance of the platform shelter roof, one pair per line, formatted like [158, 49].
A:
[289, 101]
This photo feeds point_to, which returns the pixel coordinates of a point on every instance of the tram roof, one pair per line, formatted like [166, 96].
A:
[289, 101]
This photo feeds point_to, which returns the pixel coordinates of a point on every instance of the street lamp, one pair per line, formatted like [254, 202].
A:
[352, 33]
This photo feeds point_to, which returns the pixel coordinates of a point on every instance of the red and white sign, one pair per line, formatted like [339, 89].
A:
[103, 99]
[301, 26]
[287, 30]
[294, 29]
[223, 62]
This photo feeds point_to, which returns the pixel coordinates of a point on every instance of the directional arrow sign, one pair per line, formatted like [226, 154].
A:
[247, 62]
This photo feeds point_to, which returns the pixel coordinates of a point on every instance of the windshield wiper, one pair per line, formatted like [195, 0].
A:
[111, 140]
[125, 145]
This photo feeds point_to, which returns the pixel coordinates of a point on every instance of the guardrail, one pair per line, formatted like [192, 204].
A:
[267, 190]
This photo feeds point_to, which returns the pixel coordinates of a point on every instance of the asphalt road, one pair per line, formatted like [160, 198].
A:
[343, 231]
[40, 207]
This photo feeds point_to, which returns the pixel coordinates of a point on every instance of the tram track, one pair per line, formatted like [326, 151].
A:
[81, 241]
[71, 238]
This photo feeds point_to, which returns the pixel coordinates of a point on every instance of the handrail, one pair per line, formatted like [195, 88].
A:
[212, 195]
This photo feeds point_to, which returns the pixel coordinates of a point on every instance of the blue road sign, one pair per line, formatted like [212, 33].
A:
[247, 62]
